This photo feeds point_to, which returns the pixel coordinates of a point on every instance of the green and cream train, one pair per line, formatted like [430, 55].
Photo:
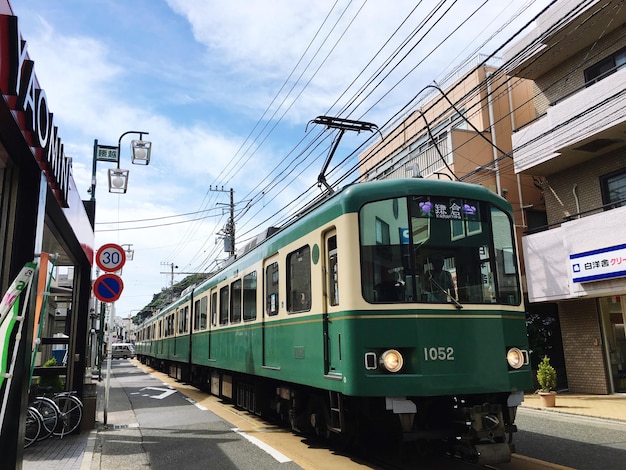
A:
[343, 324]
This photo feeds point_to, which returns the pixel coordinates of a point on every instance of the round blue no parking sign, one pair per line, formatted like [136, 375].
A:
[108, 287]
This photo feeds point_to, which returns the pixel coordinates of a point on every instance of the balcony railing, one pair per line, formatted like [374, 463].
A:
[578, 215]
[572, 119]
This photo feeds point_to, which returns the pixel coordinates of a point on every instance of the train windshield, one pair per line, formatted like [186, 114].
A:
[429, 249]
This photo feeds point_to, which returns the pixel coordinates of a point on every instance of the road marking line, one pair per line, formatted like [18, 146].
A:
[196, 404]
[282, 458]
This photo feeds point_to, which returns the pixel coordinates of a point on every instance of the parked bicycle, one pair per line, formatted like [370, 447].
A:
[71, 413]
[34, 422]
[49, 412]
[59, 414]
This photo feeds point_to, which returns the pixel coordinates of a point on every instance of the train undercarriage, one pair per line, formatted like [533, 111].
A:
[476, 428]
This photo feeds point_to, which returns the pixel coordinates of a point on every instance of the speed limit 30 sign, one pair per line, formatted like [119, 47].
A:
[110, 257]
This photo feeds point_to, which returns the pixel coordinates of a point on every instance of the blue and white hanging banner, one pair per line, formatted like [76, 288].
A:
[595, 265]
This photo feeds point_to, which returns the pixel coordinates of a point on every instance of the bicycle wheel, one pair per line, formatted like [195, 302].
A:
[71, 412]
[49, 412]
[33, 426]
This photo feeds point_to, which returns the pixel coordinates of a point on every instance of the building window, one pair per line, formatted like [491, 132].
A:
[613, 189]
[382, 232]
[605, 67]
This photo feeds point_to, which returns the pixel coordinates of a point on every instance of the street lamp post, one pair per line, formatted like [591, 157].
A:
[118, 183]
[118, 178]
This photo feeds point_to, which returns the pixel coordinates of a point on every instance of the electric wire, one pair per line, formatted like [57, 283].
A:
[308, 189]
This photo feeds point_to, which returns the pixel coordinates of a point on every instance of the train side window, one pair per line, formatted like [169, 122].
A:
[299, 280]
[203, 313]
[235, 301]
[333, 278]
[183, 320]
[196, 315]
[384, 238]
[249, 296]
[169, 325]
[214, 308]
[271, 289]
[224, 305]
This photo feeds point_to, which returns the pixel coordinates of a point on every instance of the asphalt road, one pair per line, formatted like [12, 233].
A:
[175, 432]
[167, 429]
[579, 442]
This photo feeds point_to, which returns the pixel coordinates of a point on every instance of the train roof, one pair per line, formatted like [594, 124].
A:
[357, 194]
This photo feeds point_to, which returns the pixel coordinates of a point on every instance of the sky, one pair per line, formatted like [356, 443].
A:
[226, 92]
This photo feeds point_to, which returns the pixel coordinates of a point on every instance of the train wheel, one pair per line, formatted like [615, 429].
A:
[319, 416]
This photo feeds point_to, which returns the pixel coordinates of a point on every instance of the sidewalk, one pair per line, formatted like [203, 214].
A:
[88, 450]
[597, 406]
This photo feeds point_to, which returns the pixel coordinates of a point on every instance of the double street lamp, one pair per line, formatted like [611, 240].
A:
[118, 183]
[118, 178]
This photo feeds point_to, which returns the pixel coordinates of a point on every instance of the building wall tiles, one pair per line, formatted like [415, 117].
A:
[559, 188]
[582, 346]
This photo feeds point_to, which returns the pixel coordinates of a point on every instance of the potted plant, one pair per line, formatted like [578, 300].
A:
[546, 376]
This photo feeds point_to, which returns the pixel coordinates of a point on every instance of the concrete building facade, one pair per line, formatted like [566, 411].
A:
[574, 148]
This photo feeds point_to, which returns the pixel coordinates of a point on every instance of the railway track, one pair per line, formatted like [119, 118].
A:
[317, 454]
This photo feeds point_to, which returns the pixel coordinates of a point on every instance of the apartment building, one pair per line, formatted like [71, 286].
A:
[575, 149]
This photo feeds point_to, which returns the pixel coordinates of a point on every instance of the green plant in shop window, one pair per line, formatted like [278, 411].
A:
[52, 381]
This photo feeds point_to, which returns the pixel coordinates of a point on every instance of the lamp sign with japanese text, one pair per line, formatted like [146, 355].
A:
[107, 153]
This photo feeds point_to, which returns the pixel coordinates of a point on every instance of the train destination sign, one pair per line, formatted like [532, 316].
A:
[110, 257]
[108, 287]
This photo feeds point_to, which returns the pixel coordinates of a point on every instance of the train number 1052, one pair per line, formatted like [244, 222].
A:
[441, 353]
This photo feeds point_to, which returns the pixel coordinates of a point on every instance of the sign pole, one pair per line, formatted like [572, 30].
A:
[107, 384]
[108, 288]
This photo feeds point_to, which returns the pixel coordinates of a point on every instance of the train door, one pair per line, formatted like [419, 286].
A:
[160, 336]
[212, 322]
[332, 333]
[271, 308]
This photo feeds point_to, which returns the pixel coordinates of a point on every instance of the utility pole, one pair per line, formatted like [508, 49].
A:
[228, 233]
[170, 272]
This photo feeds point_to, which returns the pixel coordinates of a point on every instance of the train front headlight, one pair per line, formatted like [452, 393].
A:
[392, 360]
[515, 357]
